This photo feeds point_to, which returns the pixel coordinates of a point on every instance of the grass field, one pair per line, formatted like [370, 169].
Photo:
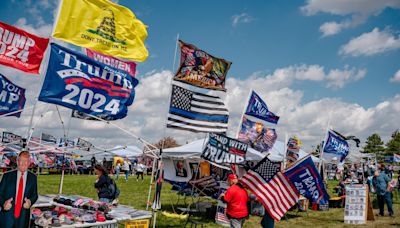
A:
[135, 194]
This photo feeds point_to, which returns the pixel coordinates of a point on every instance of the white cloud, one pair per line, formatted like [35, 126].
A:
[333, 27]
[242, 18]
[371, 43]
[396, 77]
[43, 30]
[358, 10]
[339, 78]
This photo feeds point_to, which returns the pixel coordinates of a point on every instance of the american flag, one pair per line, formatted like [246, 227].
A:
[220, 216]
[197, 112]
[271, 187]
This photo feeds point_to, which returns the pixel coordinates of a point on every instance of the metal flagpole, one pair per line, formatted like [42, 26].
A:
[323, 142]
[285, 151]
[165, 129]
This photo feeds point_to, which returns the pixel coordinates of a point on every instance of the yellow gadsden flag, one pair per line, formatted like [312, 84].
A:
[102, 26]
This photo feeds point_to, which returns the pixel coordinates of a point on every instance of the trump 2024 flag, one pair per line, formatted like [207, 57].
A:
[259, 109]
[102, 26]
[12, 97]
[335, 146]
[76, 81]
[21, 50]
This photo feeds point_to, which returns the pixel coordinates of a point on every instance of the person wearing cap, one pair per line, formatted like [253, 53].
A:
[18, 192]
[236, 199]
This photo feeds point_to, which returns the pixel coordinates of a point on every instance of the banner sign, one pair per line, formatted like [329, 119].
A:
[75, 81]
[21, 50]
[222, 149]
[49, 138]
[335, 146]
[305, 177]
[83, 144]
[103, 26]
[9, 137]
[257, 135]
[117, 66]
[201, 69]
[259, 109]
[12, 97]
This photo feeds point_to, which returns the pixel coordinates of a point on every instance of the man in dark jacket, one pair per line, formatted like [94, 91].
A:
[18, 191]
[236, 199]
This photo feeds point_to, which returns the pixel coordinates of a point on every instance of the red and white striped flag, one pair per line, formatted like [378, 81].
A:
[271, 188]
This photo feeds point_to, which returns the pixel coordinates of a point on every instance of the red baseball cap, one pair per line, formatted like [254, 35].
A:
[232, 177]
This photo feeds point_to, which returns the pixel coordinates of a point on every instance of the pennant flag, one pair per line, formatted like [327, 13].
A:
[48, 138]
[12, 97]
[197, 112]
[221, 149]
[201, 69]
[257, 135]
[305, 177]
[293, 148]
[335, 146]
[396, 157]
[75, 81]
[271, 188]
[259, 109]
[21, 50]
[102, 26]
[122, 67]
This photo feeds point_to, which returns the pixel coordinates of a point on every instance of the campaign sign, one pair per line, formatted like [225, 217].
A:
[335, 146]
[221, 149]
[12, 97]
[76, 81]
[259, 109]
[305, 177]
[20, 49]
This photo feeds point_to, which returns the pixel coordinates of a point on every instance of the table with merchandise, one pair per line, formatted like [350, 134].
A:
[78, 211]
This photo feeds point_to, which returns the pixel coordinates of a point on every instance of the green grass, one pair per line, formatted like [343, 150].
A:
[135, 194]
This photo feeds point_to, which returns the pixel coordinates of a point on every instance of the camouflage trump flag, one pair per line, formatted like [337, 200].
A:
[102, 26]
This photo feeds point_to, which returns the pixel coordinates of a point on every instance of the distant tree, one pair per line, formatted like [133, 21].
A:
[317, 150]
[167, 142]
[374, 144]
[393, 145]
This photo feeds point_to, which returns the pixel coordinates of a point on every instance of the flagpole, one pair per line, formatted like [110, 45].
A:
[284, 151]
[323, 142]
[241, 117]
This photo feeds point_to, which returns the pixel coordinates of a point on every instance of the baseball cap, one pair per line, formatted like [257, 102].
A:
[232, 177]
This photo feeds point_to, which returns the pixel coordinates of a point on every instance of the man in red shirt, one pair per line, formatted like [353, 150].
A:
[236, 199]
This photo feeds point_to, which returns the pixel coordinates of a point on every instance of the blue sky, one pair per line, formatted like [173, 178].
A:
[299, 55]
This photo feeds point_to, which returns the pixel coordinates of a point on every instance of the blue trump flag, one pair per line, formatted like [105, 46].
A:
[76, 81]
[259, 109]
[12, 97]
[305, 177]
[335, 146]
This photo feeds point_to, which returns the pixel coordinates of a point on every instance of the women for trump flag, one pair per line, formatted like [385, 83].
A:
[21, 50]
[102, 26]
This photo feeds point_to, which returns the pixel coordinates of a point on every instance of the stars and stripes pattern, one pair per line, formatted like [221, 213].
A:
[220, 216]
[271, 187]
[197, 112]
